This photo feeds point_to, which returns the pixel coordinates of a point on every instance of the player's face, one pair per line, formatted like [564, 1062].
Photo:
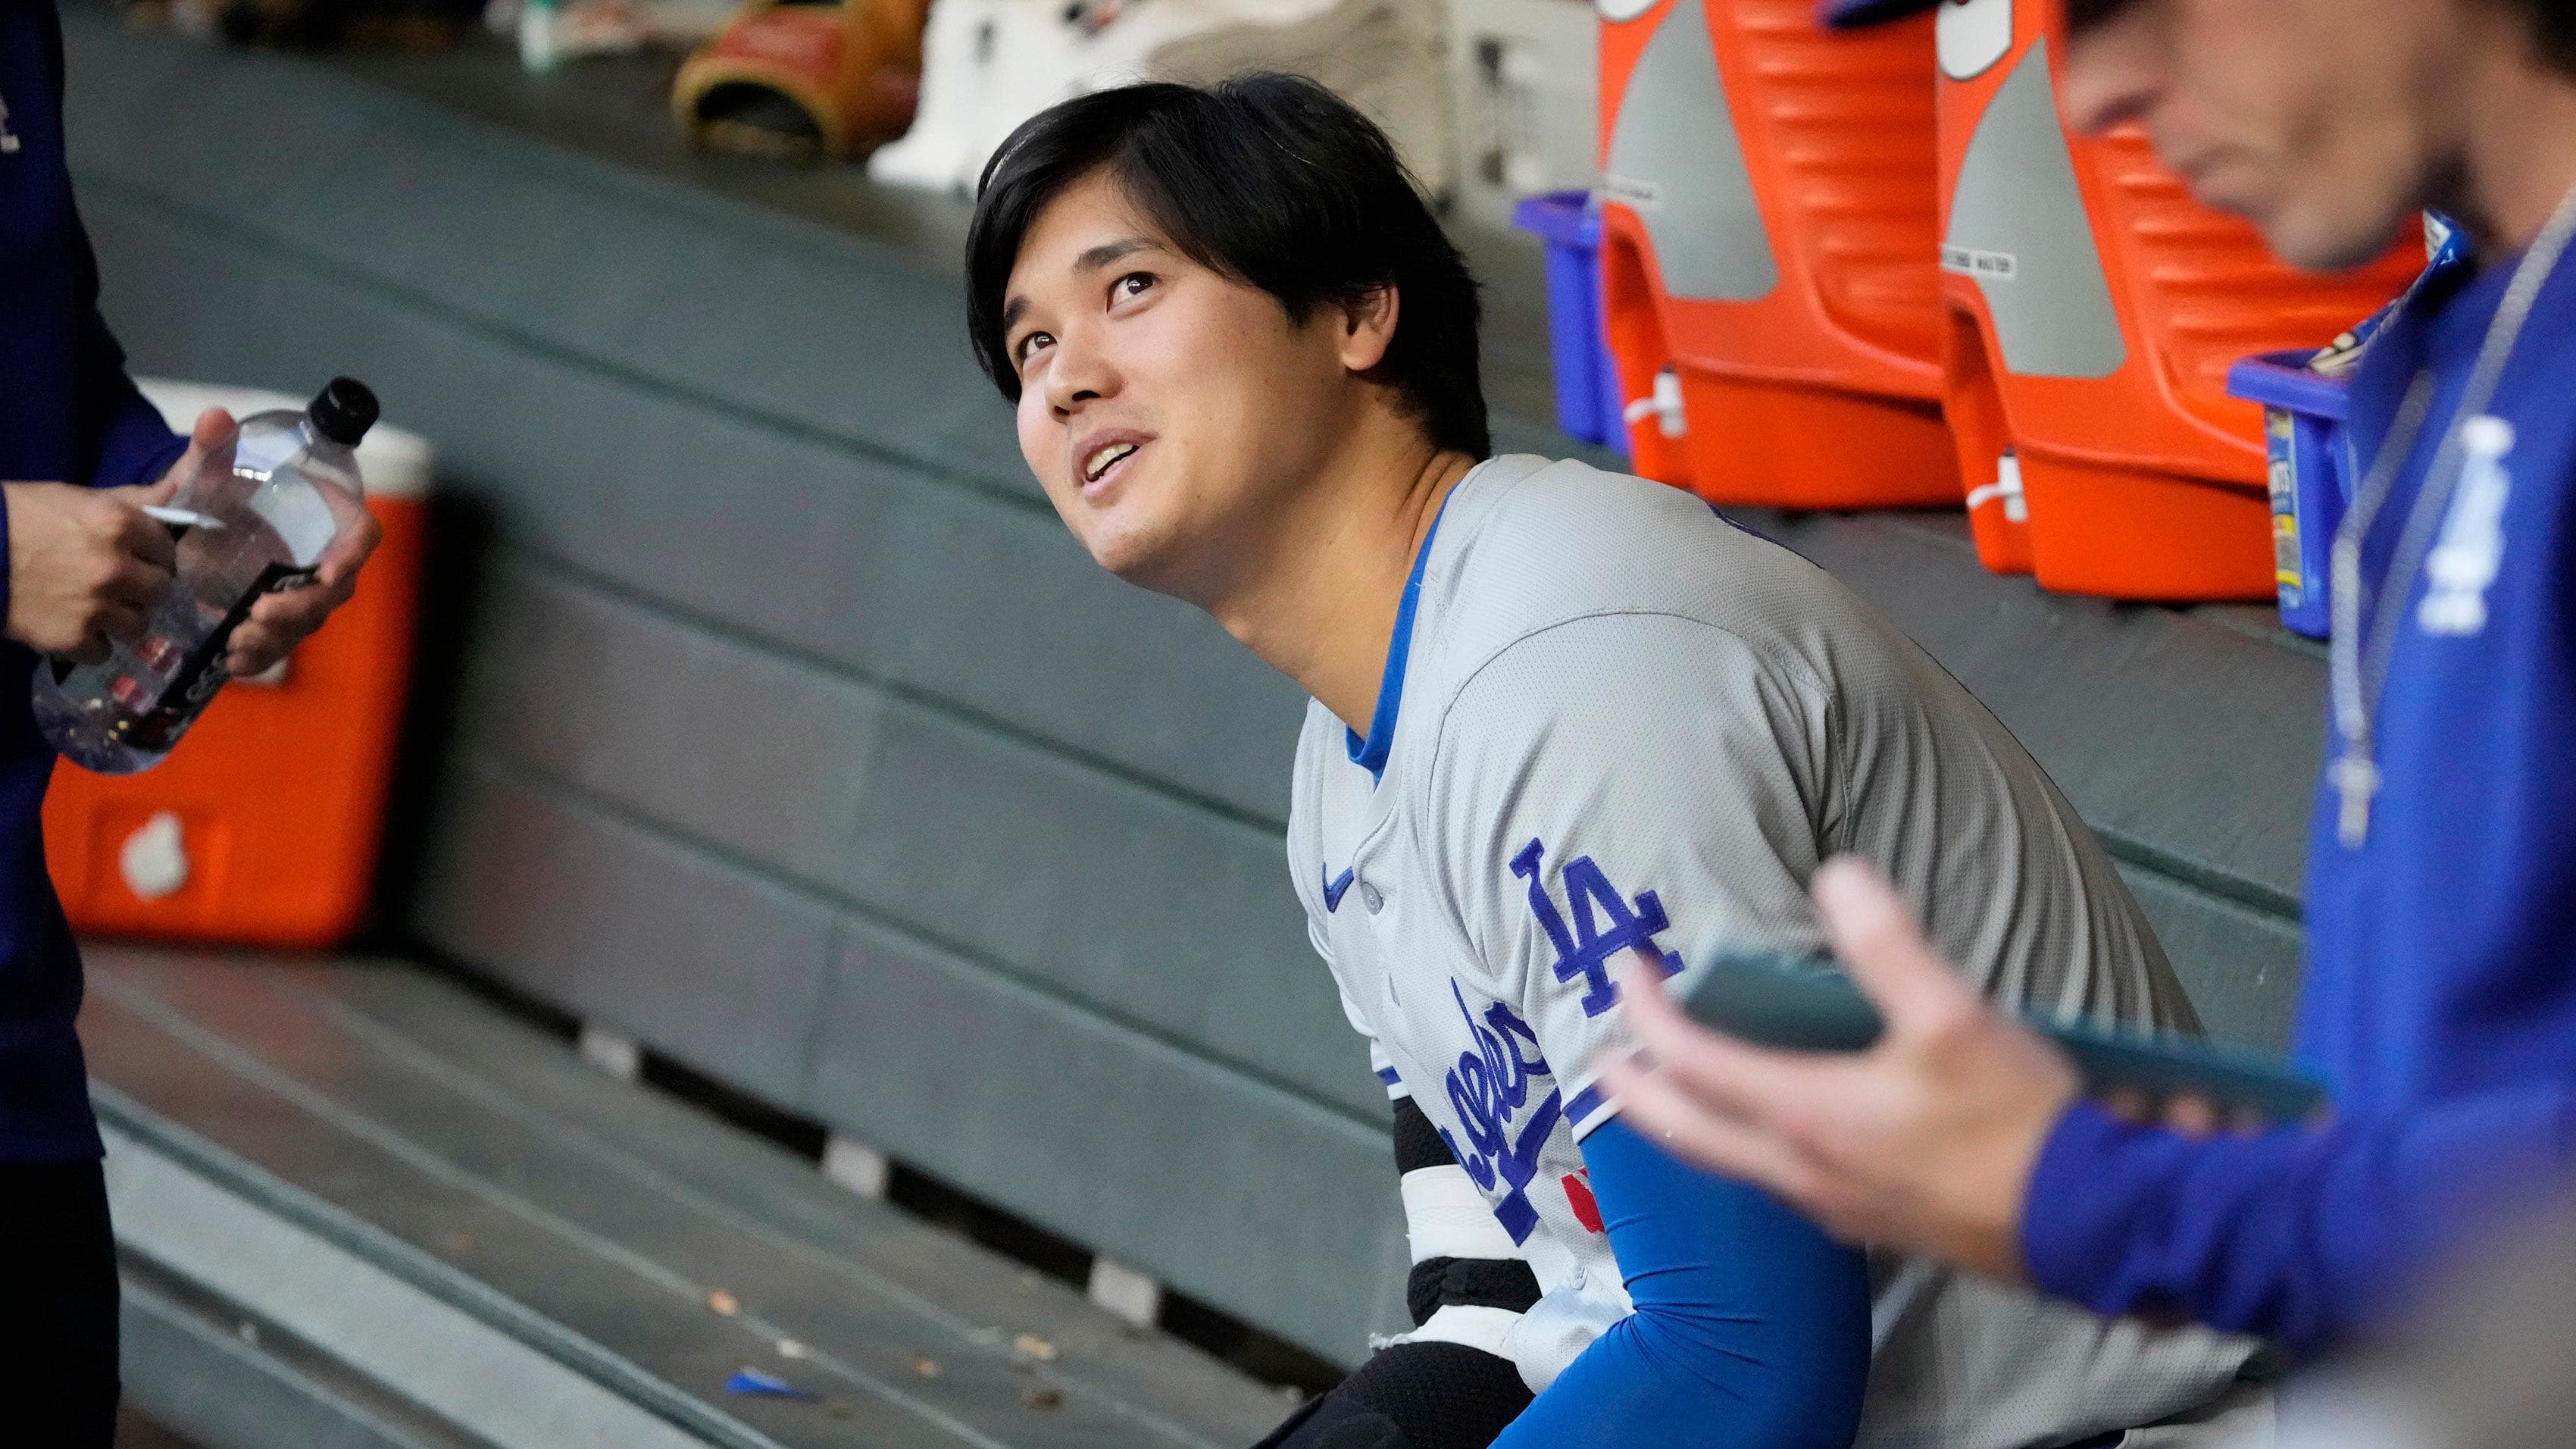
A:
[2324, 122]
[1170, 411]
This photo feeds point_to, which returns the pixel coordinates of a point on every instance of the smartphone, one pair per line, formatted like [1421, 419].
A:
[1806, 1003]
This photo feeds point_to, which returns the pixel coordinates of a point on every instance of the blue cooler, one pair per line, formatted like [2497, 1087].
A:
[2311, 476]
[1588, 405]
[2313, 471]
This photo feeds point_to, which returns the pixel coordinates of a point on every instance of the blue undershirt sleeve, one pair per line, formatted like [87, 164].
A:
[1751, 1329]
[126, 438]
[2304, 1235]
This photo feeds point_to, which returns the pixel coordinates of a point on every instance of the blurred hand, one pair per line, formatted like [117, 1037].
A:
[2186, 1115]
[1924, 1143]
[85, 565]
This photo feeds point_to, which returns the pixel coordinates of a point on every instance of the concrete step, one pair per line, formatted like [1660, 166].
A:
[359, 1205]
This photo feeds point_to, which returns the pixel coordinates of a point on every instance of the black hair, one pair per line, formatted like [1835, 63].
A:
[2553, 28]
[2083, 15]
[2552, 22]
[1271, 180]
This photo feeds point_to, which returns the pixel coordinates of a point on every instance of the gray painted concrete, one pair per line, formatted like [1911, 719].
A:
[416, 1195]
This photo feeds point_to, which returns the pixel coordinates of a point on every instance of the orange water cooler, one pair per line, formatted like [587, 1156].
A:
[1658, 197]
[1768, 233]
[263, 827]
[2091, 311]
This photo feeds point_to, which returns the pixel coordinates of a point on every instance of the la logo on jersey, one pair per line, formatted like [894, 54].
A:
[2471, 552]
[1487, 1089]
[8, 138]
[1588, 948]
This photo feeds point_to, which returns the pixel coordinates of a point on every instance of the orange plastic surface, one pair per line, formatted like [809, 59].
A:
[1633, 328]
[1823, 393]
[279, 790]
[2148, 483]
[854, 67]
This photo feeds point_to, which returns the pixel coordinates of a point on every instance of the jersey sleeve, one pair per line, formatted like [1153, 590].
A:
[1624, 783]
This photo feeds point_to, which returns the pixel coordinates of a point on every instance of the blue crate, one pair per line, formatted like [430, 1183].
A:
[2311, 476]
[1588, 404]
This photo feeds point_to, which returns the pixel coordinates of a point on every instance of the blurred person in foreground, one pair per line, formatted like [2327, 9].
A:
[81, 452]
[1558, 715]
[2479, 1365]
[2439, 994]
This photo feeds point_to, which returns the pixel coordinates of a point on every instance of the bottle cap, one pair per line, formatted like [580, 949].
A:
[343, 410]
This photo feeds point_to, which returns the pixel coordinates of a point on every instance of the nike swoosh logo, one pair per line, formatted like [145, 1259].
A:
[1334, 890]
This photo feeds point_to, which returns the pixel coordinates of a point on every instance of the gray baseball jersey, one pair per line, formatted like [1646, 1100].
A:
[1613, 720]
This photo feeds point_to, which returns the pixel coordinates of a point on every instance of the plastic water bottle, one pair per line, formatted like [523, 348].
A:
[253, 520]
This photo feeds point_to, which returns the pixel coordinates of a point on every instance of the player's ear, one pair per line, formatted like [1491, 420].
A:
[1368, 327]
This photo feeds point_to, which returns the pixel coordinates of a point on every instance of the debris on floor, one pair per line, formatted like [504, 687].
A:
[748, 1380]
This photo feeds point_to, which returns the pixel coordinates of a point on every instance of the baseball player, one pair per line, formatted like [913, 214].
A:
[1562, 718]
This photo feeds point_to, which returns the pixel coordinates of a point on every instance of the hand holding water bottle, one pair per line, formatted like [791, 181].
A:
[280, 621]
[85, 564]
[265, 533]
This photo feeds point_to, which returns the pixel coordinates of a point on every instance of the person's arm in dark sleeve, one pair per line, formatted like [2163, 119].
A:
[126, 442]
[130, 442]
[2300, 1235]
[72, 564]
[1751, 1330]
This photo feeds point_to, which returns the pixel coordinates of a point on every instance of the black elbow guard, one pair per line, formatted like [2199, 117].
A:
[1411, 1396]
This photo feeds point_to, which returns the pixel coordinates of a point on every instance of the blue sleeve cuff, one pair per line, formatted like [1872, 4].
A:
[2304, 1235]
[1589, 1109]
[127, 441]
[2126, 1219]
[136, 446]
[2071, 1226]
